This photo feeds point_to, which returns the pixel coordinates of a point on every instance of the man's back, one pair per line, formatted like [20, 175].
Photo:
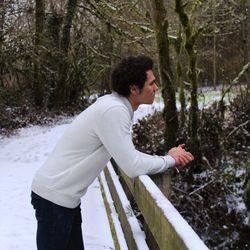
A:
[79, 155]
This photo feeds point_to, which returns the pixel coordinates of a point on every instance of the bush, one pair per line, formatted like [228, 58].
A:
[148, 134]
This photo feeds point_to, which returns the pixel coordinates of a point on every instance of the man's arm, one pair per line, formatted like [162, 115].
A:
[113, 129]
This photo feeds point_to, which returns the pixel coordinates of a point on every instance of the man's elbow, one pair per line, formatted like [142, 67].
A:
[132, 173]
[131, 169]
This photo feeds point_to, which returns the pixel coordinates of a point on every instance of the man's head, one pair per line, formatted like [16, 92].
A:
[133, 78]
[131, 71]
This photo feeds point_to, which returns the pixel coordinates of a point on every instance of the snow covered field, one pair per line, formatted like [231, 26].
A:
[20, 156]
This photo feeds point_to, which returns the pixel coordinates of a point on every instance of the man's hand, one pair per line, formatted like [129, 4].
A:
[181, 156]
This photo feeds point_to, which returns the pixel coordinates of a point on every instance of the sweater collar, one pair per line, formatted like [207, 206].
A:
[126, 102]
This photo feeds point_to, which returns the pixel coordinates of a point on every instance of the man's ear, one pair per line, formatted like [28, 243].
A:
[134, 90]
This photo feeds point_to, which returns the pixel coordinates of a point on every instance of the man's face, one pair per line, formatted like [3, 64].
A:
[147, 94]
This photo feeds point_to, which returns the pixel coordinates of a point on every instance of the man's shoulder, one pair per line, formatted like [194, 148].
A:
[111, 104]
[110, 101]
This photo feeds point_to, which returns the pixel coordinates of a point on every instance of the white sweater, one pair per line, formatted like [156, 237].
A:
[100, 132]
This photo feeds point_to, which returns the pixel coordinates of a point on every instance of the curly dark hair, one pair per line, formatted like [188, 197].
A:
[130, 71]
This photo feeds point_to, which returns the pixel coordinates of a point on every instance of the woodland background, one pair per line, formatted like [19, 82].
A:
[56, 58]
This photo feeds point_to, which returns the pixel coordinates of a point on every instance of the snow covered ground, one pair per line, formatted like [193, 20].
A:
[20, 156]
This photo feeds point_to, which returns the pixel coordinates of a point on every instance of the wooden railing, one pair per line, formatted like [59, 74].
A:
[163, 226]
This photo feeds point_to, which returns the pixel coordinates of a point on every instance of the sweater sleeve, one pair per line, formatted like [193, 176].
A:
[113, 129]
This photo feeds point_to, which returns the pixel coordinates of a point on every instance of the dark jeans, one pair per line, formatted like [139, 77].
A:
[58, 228]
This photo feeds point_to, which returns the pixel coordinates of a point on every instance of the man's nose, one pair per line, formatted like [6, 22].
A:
[156, 87]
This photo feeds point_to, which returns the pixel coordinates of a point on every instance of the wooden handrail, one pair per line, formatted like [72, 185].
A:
[168, 228]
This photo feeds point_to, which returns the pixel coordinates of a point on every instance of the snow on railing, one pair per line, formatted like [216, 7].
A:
[168, 229]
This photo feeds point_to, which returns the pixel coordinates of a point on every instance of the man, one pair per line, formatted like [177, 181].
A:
[100, 132]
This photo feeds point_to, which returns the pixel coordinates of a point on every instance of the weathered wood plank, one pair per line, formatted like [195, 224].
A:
[166, 235]
[133, 241]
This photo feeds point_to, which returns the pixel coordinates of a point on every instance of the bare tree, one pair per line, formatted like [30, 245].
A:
[159, 17]
[160, 22]
[178, 44]
[60, 90]
[39, 27]
[245, 9]
[2, 15]
[190, 39]
[214, 45]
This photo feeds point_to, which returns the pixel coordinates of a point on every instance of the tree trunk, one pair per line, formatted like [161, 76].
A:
[39, 27]
[108, 47]
[180, 83]
[245, 6]
[52, 33]
[192, 74]
[159, 17]
[214, 47]
[2, 17]
[60, 91]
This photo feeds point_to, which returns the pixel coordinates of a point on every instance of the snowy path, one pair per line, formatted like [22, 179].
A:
[20, 156]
